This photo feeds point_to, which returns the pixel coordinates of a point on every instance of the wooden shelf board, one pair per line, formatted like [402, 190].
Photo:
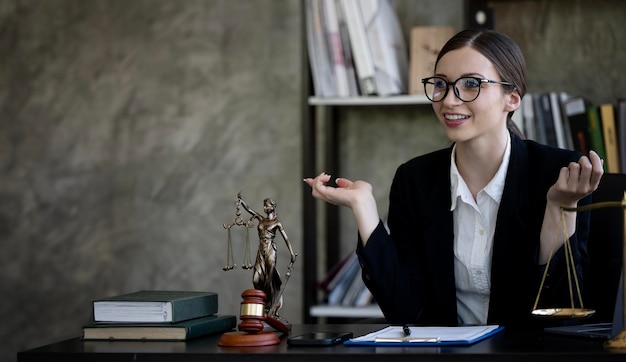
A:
[370, 311]
[369, 101]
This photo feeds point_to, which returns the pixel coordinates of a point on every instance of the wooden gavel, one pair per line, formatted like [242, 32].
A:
[252, 313]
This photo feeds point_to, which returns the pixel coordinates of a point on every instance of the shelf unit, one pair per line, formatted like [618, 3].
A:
[326, 107]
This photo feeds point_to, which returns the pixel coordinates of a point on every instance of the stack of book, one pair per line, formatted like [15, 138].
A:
[157, 315]
[344, 286]
[356, 47]
[573, 122]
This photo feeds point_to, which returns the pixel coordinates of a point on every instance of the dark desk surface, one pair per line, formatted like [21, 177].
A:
[501, 347]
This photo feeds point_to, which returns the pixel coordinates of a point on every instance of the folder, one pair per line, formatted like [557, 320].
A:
[426, 336]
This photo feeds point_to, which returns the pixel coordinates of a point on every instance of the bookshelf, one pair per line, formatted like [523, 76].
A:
[322, 226]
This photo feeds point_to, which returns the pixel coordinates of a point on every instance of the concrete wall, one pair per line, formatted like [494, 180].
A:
[128, 127]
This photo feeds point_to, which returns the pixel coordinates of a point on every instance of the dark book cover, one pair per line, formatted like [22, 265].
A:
[155, 306]
[576, 115]
[595, 132]
[184, 330]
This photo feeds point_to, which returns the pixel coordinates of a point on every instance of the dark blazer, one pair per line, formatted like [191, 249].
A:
[410, 271]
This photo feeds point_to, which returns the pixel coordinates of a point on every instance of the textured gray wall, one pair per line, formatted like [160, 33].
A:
[128, 127]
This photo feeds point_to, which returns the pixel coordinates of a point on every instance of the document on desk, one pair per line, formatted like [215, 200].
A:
[425, 336]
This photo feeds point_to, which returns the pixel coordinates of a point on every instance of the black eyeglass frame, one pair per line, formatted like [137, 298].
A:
[426, 81]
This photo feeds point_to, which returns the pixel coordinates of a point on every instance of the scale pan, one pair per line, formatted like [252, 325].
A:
[563, 313]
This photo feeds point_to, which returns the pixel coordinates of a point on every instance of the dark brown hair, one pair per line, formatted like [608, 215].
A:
[502, 51]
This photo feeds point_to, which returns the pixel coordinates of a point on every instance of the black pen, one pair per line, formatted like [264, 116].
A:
[406, 330]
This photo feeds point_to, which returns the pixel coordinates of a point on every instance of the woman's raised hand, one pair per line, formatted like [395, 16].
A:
[356, 195]
[577, 180]
[347, 193]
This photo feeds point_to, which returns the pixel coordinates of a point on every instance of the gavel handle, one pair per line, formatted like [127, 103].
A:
[276, 324]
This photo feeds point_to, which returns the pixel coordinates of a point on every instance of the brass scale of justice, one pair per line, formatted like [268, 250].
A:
[574, 312]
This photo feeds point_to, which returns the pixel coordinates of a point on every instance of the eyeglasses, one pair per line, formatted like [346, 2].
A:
[466, 89]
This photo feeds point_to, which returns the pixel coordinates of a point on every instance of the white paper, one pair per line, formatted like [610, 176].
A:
[441, 334]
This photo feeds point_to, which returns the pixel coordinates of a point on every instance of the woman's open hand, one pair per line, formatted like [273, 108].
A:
[356, 195]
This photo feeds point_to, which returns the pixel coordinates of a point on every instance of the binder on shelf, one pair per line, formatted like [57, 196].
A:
[318, 51]
[335, 45]
[362, 54]
[609, 131]
[576, 115]
[353, 88]
[595, 132]
[561, 130]
[426, 42]
[621, 129]
[388, 46]
[528, 117]
[342, 281]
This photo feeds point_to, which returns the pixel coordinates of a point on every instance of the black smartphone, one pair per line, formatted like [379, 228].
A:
[319, 339]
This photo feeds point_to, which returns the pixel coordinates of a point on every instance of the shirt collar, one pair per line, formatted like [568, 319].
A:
[494, 188]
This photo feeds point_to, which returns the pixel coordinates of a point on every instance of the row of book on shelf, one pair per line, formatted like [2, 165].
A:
[573, 122]
[357, 48]
[157, 315]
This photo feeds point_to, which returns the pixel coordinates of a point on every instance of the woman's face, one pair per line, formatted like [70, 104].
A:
[482, 118]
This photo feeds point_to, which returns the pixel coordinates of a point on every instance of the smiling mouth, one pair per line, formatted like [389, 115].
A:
[455, 117]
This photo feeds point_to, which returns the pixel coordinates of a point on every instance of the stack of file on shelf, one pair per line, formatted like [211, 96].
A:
[573, 122]
[356, 47]
[344, 285]
[157, 315]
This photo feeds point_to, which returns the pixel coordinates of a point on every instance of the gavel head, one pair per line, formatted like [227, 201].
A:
[252, 313]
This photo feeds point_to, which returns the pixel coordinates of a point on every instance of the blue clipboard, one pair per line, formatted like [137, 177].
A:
[426, 336]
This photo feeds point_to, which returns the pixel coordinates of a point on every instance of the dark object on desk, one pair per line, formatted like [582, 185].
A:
[252, 331]
[319, 339]
[155, 306]
[603, 331]
[179, 331]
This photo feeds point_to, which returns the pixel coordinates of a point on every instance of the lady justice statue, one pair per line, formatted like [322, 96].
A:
[265, 275]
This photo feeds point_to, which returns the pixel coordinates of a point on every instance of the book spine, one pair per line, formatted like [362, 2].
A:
[387, 45]
[318, 51]
[576, 115]
[220, 324]
[621, 128]
[607, 115]
[190, 308]
[361, 48]
[336, 47]
[595, 133]
[528, 117]
[559, 131]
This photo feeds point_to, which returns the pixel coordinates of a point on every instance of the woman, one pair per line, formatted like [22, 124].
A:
[472, 226]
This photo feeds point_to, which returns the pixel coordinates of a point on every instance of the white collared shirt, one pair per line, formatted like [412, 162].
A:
[474, 228]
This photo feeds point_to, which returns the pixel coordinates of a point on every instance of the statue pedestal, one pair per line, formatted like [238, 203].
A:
[245, 339]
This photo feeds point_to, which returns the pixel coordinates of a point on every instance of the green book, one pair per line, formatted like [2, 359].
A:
[595, 132]
[180, 331]
[155, 306]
